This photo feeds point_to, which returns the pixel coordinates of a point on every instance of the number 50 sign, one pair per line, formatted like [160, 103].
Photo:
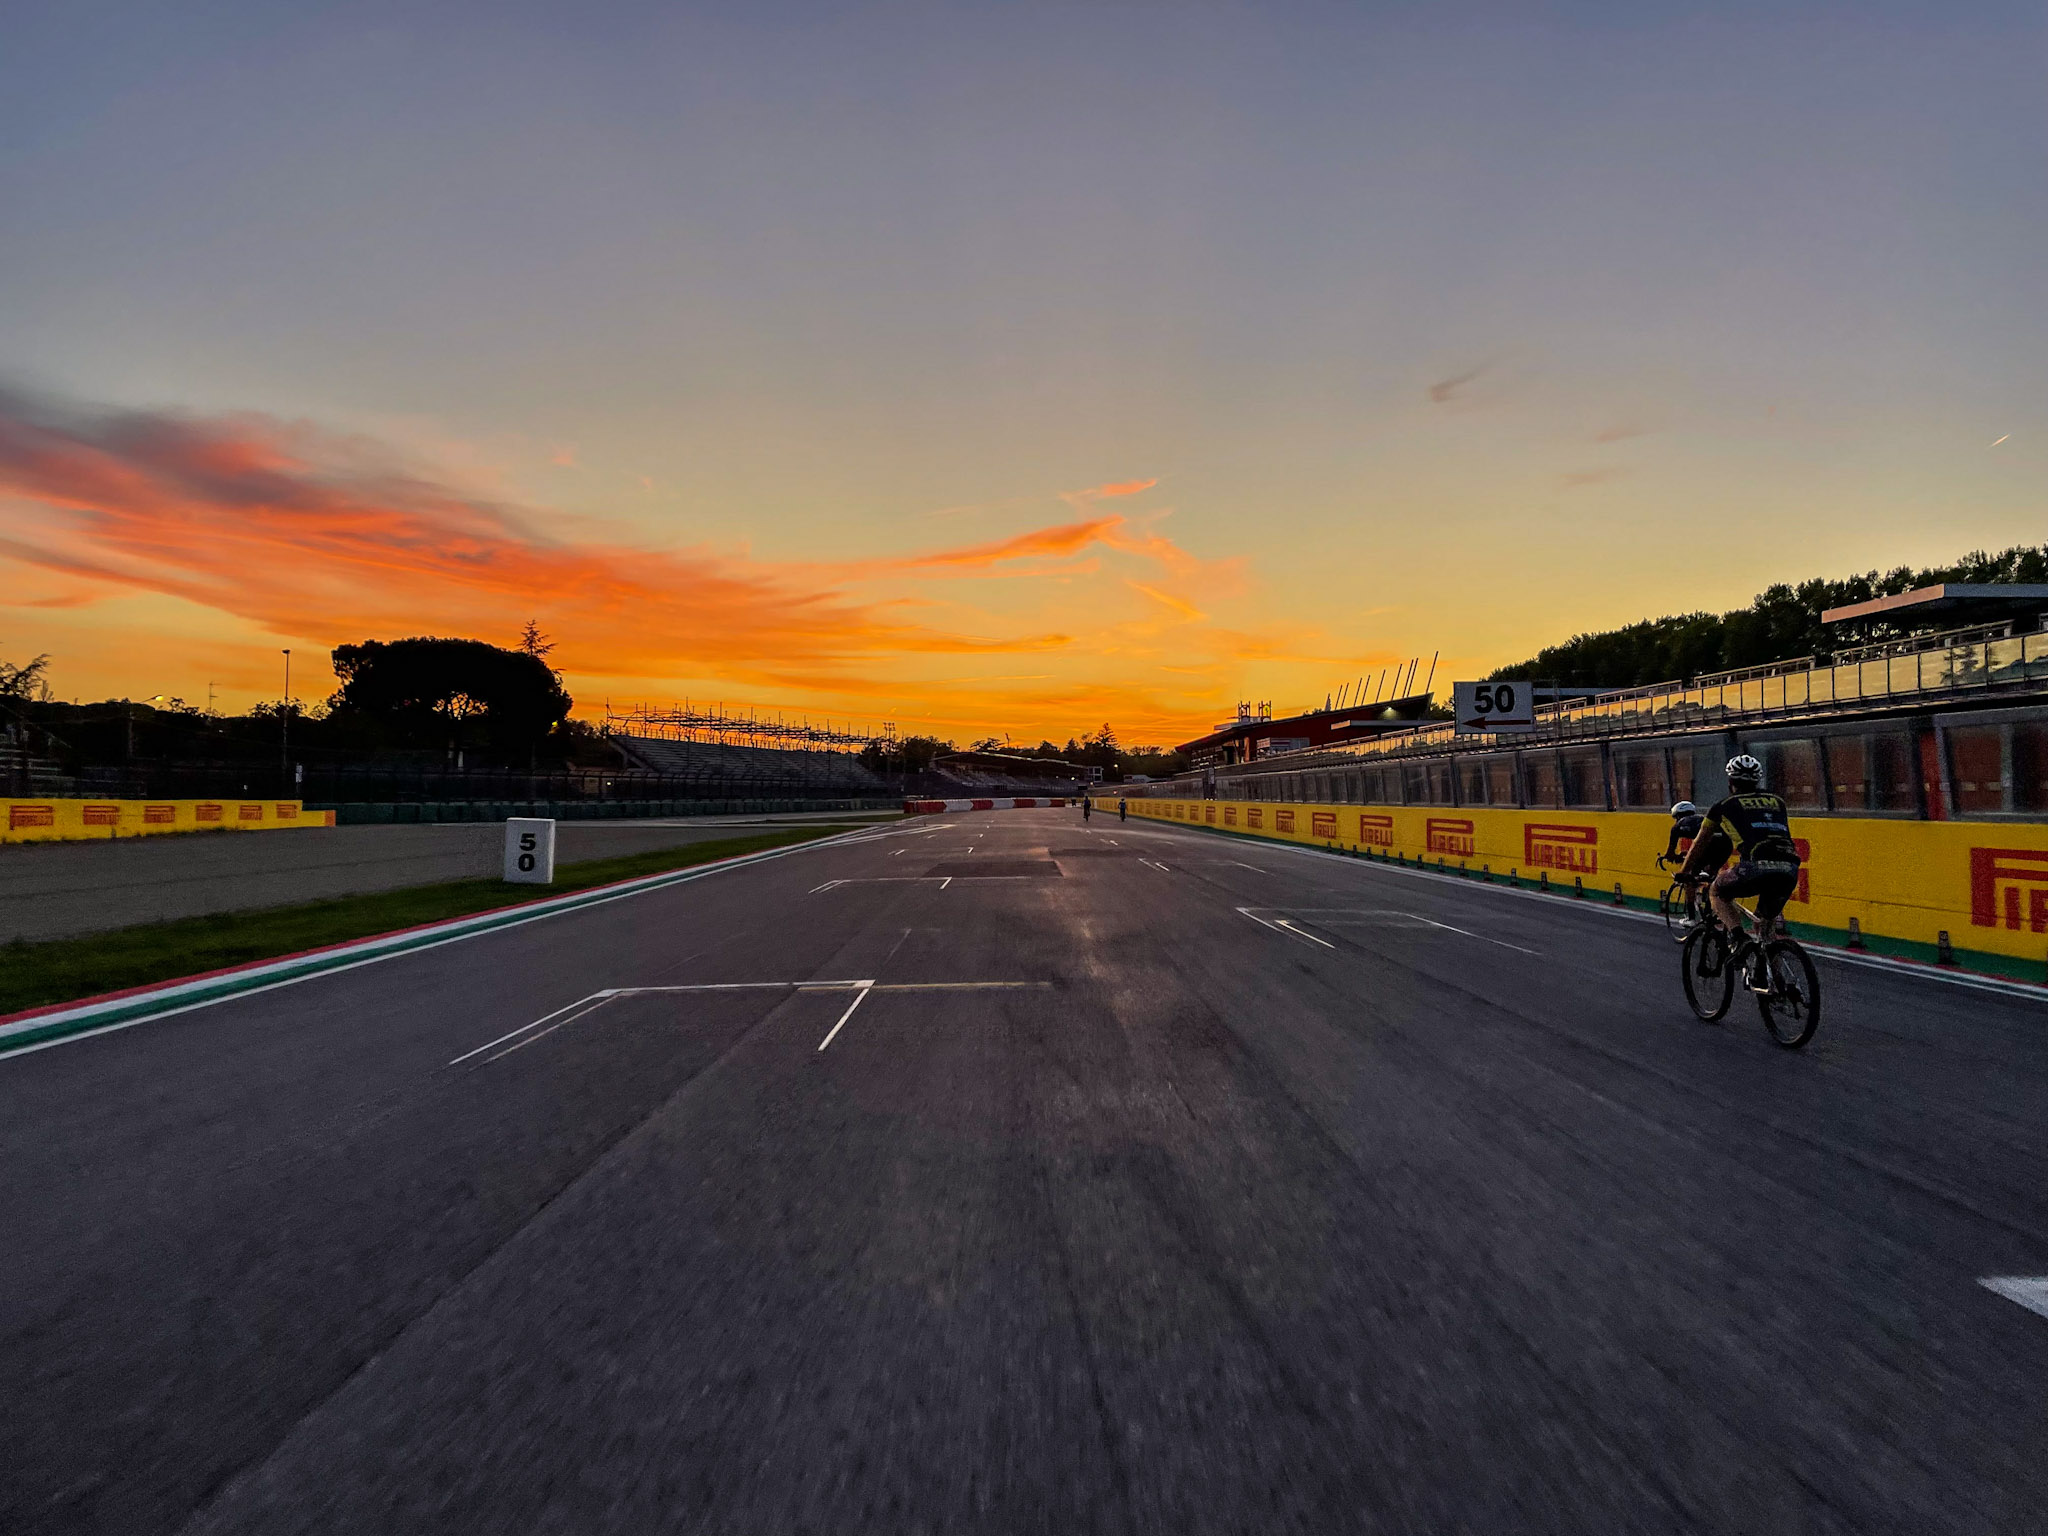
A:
[1482, 707]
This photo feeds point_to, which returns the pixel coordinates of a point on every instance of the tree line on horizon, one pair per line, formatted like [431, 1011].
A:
[1781, 622]
[442, 695]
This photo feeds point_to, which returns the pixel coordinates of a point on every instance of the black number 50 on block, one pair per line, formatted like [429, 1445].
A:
[1493, 707]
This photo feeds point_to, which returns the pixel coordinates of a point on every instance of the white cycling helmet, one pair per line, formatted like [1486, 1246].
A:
[1744, 769]
[1684, 808]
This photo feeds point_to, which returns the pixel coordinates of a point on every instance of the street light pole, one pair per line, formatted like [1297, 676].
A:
[284, 720]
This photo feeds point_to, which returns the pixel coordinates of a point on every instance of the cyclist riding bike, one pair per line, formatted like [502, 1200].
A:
[1685, 826]
[1759, 826]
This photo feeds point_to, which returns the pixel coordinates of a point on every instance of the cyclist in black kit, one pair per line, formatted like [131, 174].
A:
[1685, 826]
[1759, 826]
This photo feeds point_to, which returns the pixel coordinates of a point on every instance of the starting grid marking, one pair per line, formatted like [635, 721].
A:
[2030, 1291]
[1281, 920]
[583, 1007]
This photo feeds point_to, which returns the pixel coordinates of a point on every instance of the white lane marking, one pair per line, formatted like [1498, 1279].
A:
[858, 998]
[522, 1029]
[543, 1034]
[2030, 1291]
[1156, 865]
[611, 992]
[1284, 923]
[1453, 928]
[1240, 863]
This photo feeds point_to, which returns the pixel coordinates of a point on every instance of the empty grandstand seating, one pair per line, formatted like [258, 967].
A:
[713, 769]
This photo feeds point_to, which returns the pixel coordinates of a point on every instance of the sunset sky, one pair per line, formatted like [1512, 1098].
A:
[996, 369]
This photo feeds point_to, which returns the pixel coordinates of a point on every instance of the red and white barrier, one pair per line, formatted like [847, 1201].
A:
[937, 807]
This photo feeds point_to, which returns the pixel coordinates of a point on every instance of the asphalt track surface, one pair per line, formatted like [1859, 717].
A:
[1108, 1208]
[58, 890]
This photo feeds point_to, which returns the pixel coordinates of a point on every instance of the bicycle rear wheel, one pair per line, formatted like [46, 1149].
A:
[1709, 978]
[1791, 1009]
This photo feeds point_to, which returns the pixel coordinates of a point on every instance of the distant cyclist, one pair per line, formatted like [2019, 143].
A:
[1686, 822]
[1766, 866]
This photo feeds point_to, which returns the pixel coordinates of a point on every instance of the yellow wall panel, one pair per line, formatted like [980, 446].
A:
[51, 820]
[1983, 883]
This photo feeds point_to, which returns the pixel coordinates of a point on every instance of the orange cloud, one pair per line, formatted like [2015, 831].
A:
[285, 529]
[308, 536]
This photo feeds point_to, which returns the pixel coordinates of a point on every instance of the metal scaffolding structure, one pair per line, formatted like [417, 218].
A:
[714, 723]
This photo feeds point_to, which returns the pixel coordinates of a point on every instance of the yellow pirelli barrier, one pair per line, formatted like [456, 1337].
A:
[1905, 883]
[54, 820]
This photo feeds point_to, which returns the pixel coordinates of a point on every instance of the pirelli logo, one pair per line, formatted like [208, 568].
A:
[19, 816]
[286, 811]
[159, 815]
[1209, 814]
[1451, 835]
[102, 815]
[207, 812]
[1804, 849]
[249, 812]
[1323, 823]
[1254, 816]
[1375, 831]
[2009, 888]
[1230, 815]
[1570, 850]
[1283, 821]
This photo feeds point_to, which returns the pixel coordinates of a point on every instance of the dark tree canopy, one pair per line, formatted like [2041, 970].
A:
[1780, 623]
[429, 692]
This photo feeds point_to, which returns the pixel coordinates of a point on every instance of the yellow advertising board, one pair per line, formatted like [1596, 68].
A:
[1984, 884]
[57, 820]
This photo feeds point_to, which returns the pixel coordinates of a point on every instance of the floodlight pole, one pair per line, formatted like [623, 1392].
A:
[284, 720]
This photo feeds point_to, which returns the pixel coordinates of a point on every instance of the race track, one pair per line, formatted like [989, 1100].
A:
[994, 1173]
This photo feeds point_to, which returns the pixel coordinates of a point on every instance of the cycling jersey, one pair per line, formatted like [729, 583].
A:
[1683, 830]
[1759, 825]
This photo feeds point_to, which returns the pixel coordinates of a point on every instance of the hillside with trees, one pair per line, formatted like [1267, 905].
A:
[1780, 622]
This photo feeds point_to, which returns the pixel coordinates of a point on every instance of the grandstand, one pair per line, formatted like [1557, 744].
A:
[1948, 726]
[714, 770]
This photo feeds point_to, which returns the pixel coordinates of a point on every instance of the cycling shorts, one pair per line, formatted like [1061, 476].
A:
[1770, 881]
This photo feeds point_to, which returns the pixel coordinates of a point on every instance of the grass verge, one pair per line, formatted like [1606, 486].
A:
[63, 970]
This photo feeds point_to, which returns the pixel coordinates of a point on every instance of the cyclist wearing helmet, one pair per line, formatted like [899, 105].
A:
[1685, 826]
[1759, 826]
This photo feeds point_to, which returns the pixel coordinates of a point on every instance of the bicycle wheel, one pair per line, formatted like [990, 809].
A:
[1791, 1009]
[1677, 909]
[1709, 978]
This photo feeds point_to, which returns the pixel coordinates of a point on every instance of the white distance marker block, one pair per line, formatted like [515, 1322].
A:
[530, 850]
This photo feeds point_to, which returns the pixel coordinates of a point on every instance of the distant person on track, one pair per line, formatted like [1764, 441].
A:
[1686, 821]
[1758, 826]
[1123, 809]
[1087, 808]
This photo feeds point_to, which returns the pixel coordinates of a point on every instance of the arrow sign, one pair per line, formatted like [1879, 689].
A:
[1493, 708]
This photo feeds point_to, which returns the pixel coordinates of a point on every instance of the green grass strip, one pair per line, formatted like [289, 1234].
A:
[63, 970]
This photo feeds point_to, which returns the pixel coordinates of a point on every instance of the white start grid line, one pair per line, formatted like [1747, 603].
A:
[583, 1007]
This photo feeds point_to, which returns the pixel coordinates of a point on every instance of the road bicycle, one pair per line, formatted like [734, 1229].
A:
[1773, 969]
[1684, 907]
